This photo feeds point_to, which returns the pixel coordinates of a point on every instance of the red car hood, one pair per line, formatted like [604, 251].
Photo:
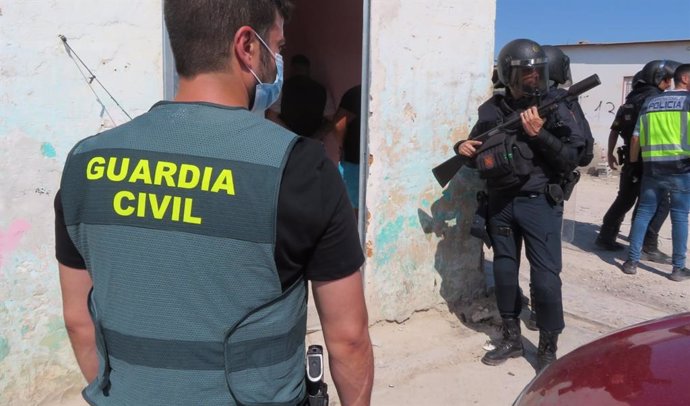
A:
[646, 364]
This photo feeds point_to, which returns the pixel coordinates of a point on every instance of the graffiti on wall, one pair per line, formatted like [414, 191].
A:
[605, 107]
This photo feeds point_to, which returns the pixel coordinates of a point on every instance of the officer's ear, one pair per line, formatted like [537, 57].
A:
[246, 48]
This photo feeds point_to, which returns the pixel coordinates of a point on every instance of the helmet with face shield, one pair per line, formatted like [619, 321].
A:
[522, 66]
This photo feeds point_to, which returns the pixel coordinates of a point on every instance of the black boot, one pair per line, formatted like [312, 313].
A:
[608, 243]
[607, 238]
[510, 345]
[546, 353]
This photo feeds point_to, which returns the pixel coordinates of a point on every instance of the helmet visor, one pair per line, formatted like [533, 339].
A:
[529, 78]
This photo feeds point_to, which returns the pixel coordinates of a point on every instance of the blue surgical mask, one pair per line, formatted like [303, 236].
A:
[267, 93]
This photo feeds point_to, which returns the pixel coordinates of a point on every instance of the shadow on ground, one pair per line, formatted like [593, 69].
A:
[584, 236]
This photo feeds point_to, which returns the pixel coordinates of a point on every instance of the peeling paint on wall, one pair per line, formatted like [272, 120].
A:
[430, 68]
[426, 85]
[9, 239]
[56, 334]
[47, 106]
[48, 150]
[4, 348]
[387, 238]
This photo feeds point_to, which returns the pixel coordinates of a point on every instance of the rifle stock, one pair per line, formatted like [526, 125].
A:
[447, 170]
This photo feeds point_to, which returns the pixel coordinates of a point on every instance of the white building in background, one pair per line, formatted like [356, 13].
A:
[615, 63]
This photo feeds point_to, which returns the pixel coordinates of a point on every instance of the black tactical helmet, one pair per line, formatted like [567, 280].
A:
[637, 80]
[522, 68]
[559, 65]
[656, 71]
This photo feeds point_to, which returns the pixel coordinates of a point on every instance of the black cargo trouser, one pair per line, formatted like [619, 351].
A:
[537, 221]
[628, 192]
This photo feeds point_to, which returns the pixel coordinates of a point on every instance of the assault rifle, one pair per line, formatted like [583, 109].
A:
[447, 170]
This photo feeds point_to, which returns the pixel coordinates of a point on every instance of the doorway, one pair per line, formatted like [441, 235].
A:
[330, 34]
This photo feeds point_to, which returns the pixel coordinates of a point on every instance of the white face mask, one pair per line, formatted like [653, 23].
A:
[267, 93]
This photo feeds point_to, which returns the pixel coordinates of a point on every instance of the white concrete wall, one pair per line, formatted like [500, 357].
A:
[45, 107]
[430, 68]
[612, 63]
[431, 64]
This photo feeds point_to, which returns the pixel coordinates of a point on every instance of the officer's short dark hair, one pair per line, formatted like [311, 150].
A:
[201, 31]
[680, 71]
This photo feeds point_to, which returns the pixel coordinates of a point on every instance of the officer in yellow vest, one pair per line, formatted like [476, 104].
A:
[662, 136]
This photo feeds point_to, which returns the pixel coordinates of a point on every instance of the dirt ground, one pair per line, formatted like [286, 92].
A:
[434, 358]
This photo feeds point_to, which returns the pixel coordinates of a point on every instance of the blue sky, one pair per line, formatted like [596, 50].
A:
[558, 22]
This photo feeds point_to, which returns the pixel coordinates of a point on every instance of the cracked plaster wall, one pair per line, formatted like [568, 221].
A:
[46, 106]
[431, 64]
[430, 69]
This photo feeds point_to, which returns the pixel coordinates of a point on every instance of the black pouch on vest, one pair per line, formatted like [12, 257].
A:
[568, 184]
[523, 158]
[554, 193]
[500, 160]
[494, 158]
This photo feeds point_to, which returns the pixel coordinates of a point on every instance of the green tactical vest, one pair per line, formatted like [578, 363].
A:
[663, 132]
[174, 214]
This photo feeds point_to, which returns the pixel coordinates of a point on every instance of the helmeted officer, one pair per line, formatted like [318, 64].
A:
[654, 78]
[559, 66]
[560, 77]
[523, 193]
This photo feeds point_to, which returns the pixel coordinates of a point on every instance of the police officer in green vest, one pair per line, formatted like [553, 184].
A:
[654, 78]
[186, 237]
[662, 136]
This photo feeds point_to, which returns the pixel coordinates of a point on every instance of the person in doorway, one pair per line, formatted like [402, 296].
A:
[663, 137]
[185, 237]
[347, 122]
[654, 78]
[303, 100]
[525, 200]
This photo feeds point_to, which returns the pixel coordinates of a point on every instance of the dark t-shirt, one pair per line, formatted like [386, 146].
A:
[352, 103]
[302, 104]
[316, 233]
